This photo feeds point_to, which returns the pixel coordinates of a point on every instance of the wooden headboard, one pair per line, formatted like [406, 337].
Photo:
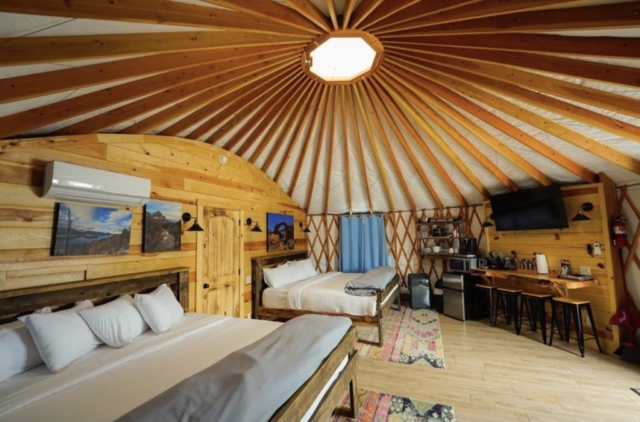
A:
[257, 277]
[20, 301]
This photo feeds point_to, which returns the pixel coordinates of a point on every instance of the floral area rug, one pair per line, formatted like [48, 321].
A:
[383, 407]
[411, 337]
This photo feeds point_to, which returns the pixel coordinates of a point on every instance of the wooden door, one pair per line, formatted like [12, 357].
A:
[219, 263]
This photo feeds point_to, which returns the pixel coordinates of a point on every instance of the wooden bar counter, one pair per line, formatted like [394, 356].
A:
[557, 284]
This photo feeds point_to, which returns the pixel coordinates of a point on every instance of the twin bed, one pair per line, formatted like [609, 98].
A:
[322, 294]
[111, 383]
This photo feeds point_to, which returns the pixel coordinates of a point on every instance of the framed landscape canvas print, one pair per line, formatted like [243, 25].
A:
[91, 230]
[162, 226]
[280, 232]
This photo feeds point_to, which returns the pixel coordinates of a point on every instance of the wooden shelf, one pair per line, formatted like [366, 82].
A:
[437, 237]
[435, 255]
[433, 223]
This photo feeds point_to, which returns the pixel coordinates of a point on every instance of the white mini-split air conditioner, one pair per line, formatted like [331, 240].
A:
[68, 182]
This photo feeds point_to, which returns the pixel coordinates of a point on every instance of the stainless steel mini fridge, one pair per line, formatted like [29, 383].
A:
[458, 291]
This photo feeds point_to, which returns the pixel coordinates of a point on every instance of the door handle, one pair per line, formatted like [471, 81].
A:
[206, 285]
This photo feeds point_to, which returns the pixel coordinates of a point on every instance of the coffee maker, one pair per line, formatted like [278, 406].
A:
[468, 246]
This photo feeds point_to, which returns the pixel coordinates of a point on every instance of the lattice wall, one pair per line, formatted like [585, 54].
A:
[629, 204]
[402, 241]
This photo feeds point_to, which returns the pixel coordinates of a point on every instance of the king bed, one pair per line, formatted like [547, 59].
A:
[133, 382]
[322, 294]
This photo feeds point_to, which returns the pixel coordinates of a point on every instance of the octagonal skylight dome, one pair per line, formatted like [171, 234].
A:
[342, 58]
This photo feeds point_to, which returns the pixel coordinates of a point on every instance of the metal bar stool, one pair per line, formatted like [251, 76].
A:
[534, 303]
[487, 293]
[573, 307]
[508, 298]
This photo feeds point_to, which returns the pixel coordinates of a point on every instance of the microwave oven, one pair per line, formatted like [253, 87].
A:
[461, 265]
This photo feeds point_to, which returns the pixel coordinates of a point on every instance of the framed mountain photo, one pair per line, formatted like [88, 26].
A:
[91, 230]
[162, 226]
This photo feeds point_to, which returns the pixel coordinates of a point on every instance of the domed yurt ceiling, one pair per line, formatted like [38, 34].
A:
[460, 99]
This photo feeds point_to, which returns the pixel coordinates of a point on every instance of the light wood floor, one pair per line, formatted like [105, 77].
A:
[494, 375]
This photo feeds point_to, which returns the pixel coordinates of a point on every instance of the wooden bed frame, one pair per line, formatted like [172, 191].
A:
[21, 301]
[384, 299]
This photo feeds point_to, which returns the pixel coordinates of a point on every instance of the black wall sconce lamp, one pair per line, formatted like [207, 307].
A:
[580, 216]
[195, 227]
[487, 222]
[255, 228]
[306, 229]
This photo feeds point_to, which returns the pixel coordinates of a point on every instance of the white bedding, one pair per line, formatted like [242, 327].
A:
[108, 382]
[322, 293]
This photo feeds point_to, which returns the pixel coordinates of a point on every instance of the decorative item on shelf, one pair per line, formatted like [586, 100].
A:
[306, 229]
[436, 249]
[255, 228]
[580, 216]
[195, 227]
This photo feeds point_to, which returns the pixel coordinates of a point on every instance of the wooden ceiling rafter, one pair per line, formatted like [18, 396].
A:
[385, 10]
[273, 11]
[186, 107]
[294, 89]
[373, 105]
[309, 10]
[453, 133]
[163, 12]
[417, 137]
[415, 107]
[345, 144]
[333, 94]
[247, 108]
[364, 9]
[311, 102]
[265, 101]
[359, 97]
[480, 134]
[38, 50]
[45, 83]
[378, 95]
[604, 16]
[213, 101]
[333, 14]
[531, 95]
[599, 72]
[234, 72]
[583, 142]
[349, 7]
[458, 100]
[418, 11]
[289, 136]
[359, 144]
[307, 144]
[604, 47]
[279, 124]
[318, 152]
[473, 10]
[66, 109]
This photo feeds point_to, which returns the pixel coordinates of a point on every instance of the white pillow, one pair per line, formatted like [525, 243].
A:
[279, 276]
[62, 337]
[297, 270]
[17, 350]
[309, 268]
[160, 309]
[116, 323]
[45, 310]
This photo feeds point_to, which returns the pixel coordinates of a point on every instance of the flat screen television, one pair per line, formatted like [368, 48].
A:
[531, 209]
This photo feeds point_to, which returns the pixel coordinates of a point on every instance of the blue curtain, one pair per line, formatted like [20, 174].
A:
[363, 243]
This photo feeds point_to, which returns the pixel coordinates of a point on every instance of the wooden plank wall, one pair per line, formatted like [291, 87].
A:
[182, 171]
[571, 244]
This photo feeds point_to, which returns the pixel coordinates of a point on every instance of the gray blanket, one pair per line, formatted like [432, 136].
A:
[252, 383]
[370, 283]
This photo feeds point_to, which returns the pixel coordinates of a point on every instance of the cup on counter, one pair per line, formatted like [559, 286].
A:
[456, 250]
[427, 250]
[451, 250]
[436, 249]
